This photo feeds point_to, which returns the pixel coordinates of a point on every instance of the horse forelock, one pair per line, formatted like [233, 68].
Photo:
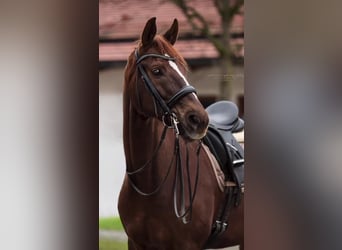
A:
[164, 47]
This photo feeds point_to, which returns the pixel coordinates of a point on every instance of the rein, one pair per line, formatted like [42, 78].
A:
[181, 212]
[179, 177]
[180, 209]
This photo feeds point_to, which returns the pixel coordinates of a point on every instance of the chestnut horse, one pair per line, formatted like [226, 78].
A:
[170, 198]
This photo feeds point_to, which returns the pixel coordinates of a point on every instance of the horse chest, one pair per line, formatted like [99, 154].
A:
[158, 233]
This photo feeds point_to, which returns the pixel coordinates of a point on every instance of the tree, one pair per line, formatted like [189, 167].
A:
[226, 10]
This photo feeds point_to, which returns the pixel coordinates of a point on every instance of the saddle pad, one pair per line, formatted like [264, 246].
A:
[220, 178]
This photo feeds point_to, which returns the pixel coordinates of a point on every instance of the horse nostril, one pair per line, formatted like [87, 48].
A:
[195, 124]
[194, 119]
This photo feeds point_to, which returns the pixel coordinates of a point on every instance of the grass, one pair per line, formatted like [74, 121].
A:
[112, 245]
[110, 223]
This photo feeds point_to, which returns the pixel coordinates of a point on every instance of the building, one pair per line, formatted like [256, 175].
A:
[121, 23]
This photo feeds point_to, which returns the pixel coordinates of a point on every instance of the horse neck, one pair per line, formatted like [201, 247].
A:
[141, 137]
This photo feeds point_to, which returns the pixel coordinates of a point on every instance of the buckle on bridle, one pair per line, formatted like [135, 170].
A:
[171, 122]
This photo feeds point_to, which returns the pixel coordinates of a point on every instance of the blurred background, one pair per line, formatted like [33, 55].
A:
[211, 39]
[49, 81]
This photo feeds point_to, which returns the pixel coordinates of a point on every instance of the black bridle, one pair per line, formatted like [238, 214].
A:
[166, 107]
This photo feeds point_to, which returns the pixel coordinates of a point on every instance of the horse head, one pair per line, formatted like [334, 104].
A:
[159, 87]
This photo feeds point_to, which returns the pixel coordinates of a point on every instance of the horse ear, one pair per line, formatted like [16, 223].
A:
[172, 34]
[149, 32]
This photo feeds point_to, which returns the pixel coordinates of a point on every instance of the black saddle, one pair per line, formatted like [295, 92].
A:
[224, 116]
[223, 121]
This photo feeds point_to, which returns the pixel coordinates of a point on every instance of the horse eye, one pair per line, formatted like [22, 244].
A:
[156, 71]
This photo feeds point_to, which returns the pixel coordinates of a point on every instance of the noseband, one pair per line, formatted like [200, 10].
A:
[166, 106]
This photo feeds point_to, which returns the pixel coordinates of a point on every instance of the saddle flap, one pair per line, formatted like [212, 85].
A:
[228, 153]
[217, 147]
[224, 115]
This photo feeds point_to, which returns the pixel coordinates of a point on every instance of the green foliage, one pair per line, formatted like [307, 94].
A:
[110, 223]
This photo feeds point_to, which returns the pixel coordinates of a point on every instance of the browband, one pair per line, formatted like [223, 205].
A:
[166, 106]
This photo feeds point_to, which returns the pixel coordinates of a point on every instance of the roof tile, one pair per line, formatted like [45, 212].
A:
[125, 19]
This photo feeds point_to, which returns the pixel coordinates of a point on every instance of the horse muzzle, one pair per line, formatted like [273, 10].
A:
[194, 124]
